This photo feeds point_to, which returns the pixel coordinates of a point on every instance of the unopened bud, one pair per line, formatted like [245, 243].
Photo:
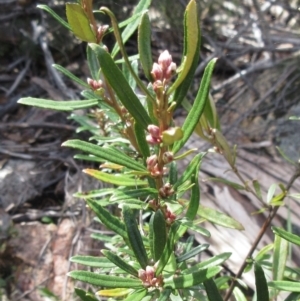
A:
[168, 157]
[154, 130]
[165, 59]
[172, 135]
[94, 84]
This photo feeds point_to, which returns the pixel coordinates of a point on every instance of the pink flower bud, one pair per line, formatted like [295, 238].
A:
[94, 84]
[151, 161]
[154, 130]
[157, 72]
[165, 59]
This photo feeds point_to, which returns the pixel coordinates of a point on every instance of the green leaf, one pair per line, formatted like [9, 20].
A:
[261, 254]
[92, 261]
[212, 290]
[288, 286]
[108, 154]
[281, 247]
[293, 297]
[137, 295]
[195, 195]
[190, 170]
[239, 295]
[114, 292]
[134, 237]
[141, 140]
[229, 183]
[70, 75]
[191, 30]
[169, 247]
[79, 22]
[110, 221]
[261, 283]
[118, 261]
[93, 63]
[192, 253]
[188, 280]
[133, 194]
[144, 45]
[54, 15]
[105, 280]
[295, 239]
[83, 295]
[197, 109]
[133, 25]
[271, 192]
[164, 295]
[219, 218]
[213, 261]
[284, 156]
[157, 234]
[116, 179]
[257, 188]
[65, 105]
[191, 226]
[101, 237]
[121, 87]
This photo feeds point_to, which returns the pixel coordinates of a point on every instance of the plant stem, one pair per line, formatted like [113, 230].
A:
[261, 233]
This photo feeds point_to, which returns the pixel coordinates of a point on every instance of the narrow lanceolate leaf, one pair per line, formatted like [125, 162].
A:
[192, 253]
[118, 261]
[132, 26]
[133, 194]
[229, 183]
[288, 286]
[105, 280]
[144, 45]
[281, 247]
[261, 283]
[239, 295]
[157, 234]
[114, 292]
[213, 261]
[115, 179]
[93, 63]
[295, 239]
[141, 140]
[191, 226]
[195, 195]
[191, 29]
[80, 23]
[66, 105]
[54, 15]
[194, 115]
[92, 261]
[168, 249]
[134, 237]
[212, 290]
[107, 154]
[190, 170]
[110, 221]
[83, 295]
[70, 75]
[257, 188]
[137, 295]
[164, 295]
[121, 87]
[219, 218]
[192, 279]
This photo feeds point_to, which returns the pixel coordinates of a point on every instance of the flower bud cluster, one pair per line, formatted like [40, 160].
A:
[162, 71]
[95, 84]
[154, 136]
[153, 167]
[166, 190]
[148, 277]
[170, 216]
